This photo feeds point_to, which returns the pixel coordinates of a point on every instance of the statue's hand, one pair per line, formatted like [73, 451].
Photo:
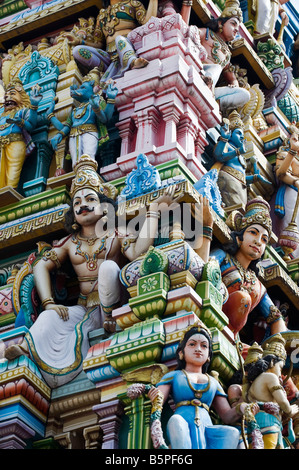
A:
[61, 310]
[56, 140]
[16, 120]
[153, 393]
[294, 142]
[95, 101]
[72, 39]
[225, 132]
[202, 212]
[111, 90]
[35, 95]
[50, 108]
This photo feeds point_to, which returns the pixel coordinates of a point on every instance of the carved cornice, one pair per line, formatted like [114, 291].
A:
[44, 17]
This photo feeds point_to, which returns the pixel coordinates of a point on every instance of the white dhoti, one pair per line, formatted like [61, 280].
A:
[83, 144]
[59, 347]
[229, 98]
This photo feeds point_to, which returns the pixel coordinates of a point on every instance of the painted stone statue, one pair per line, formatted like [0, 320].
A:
[86, 123]
[58, 340]
[286, 201]
[215, 38]
[265, 14]
[194, 393]
[263, 385]
[238, 264]
[110, 50]
[18, 117]
[229, 150]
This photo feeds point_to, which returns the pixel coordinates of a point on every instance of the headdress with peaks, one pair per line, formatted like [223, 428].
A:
[234, 121]
[276, 345]
[254, 353]
[257, 212]
[232, 10]
[86, 176]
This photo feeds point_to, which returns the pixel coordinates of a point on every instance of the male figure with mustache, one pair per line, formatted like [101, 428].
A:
[18, 117]
[58, 340]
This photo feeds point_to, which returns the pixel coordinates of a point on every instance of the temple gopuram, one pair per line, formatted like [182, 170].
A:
[149, 224]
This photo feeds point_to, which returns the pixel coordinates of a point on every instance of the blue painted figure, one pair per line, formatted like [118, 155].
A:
[194, 392]
[229, 150]
[86, 123]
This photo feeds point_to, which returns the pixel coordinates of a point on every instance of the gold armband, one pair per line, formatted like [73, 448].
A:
[52, 256]
[276, 387]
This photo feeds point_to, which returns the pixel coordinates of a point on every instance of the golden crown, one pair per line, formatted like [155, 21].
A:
[232, 10]
[276, 345]
[86, 176]
[254, 353]
[257, 212]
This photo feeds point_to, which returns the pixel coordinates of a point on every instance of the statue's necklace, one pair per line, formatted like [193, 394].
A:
[91, 260]
[247, 275]
[81, 110]
[197, 393]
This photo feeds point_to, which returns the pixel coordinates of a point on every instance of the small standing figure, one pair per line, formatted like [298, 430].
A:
[229, 150]
[263, 386]
[86, 123]
[194, 392]
[238, 264]
[18, 117]
[287, 199]
[265, 14]
[215, 39]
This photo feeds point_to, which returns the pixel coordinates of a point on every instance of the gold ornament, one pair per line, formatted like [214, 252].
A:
[276, 345]
[86, 176]
[257, 212]
[255, 352]
[232, 10]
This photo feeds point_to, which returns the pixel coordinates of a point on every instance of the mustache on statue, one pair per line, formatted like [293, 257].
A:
[85, 209]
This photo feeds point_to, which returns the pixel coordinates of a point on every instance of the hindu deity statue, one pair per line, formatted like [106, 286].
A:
[18, 117]
[287, 199]
[195, 393]
[263, 385]
[110, 49]
[86, 123]
[215, 38]
[58, 340]
[238, 263]
[233, 179]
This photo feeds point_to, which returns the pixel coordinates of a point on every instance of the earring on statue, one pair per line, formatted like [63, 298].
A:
[105, 211]
[220, 28]
[75, 226]
[181, 356]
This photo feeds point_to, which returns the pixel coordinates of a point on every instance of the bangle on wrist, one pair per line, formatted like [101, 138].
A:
[47, 301]
[111, 100]
[50, 116]
[207, 232]
[34, 107]
[293, 152]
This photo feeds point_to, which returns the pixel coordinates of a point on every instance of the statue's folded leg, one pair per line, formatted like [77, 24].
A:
[109, 292]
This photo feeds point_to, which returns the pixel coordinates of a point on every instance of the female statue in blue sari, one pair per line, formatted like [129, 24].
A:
[194, 392]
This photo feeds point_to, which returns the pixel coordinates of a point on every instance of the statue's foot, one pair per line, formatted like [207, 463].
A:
[208, 81]
[139, 63]
[14, 351]
[109, 325]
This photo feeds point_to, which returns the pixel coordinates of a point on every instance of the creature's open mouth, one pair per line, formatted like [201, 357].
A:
[10, 103]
